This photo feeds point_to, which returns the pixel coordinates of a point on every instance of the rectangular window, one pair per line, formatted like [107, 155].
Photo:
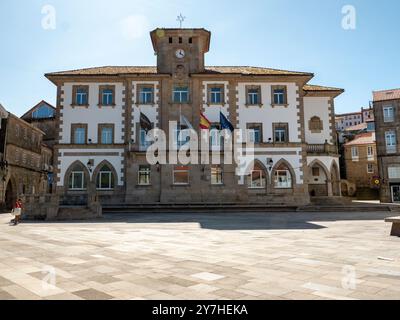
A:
[215, 136]
[146, 95]
[255, 133]
[254, 96]
[216, 95]
[281, 133]
[81, 95]
[315, 172]
[283, 179]
[106, 134]
[370, 153]
[354, 153]
[77, 180]
[181, 175]
[144, 175]
[391, 143]
[394, 172]
[279, 95]
[370, 168]
[144, 144]
[216, 175]
[256, 179]
[105, 181]
[107, 95]
[388, 114]
[181, 95]
[182, 137]
[79, 134]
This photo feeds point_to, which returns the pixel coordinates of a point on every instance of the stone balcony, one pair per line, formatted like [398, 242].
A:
[320, 149]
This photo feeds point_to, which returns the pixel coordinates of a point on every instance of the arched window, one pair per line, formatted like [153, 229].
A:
[77, 180]
[257, 178]
[105, 179]
[315, 125]
[283, 178]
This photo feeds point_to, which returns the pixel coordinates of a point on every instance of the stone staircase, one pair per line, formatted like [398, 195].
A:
[76, 213]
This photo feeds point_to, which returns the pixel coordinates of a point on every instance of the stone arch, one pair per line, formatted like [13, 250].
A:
[285, 163]
[71, 168]
[335, 179]
[254, 164]
[11, 192]
[99, 167]
[318, 186]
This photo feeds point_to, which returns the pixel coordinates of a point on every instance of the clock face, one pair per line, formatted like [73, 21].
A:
[180, 53]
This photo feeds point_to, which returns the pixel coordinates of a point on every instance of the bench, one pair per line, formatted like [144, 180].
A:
[395, 227]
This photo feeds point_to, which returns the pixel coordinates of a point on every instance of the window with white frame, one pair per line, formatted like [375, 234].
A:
[391, 143]
[354, 153]
[216, 95]
[144, 143]
[370, 168]
[216, 175]
[254, 133]
[283, 179]
[279, 96]
[388, 114]
[77, 180]
[181, 95]
[146, 95]
[181, 175]
[144, 175]
[81, 97]
[107, 133]
[370, 153]
[253, 96]
[394, 172]
[105, 179]
[215, 135]
[79, 135]
[257, 178]
[281, 133]
[107, 97]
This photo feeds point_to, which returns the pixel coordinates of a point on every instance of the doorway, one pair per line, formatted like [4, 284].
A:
[396, 194]
[10, 196]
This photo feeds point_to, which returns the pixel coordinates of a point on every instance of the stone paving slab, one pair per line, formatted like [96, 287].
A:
[202, 256]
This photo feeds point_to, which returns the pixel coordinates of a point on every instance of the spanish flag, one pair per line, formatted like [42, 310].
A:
[205, 124]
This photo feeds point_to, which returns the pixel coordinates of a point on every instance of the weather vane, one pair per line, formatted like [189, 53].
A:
[181, 19]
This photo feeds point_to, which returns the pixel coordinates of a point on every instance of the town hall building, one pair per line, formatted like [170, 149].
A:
[101, 145]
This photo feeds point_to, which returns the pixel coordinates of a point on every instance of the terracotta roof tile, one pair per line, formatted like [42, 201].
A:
[110, 70]
[310, 87]
[386, 95]
[364, 138]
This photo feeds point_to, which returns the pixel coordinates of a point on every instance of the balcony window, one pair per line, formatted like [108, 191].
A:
[106, 134]
[279, 95]
[370, 168]
[107, 96]
[280, 133]
[144, 144]
[216, 95]
[81, 95]
[254, 96]
[79, 134]
[254, 133]
[354, 153]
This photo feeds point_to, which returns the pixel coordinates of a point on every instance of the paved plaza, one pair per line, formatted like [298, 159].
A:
[202, 256]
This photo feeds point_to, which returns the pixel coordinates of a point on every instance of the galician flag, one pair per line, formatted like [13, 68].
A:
[205, 124]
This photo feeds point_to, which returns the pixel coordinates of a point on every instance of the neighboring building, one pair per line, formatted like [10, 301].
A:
[362, 165]
[43, 116]
[387, 121]
[350, 124]
[25, 163]
[101, 147]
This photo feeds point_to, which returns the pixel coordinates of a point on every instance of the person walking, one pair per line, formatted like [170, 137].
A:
[17, 211]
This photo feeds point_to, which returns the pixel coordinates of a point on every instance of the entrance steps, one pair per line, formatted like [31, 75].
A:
[193, 207]
[228, 208]
[75, 213]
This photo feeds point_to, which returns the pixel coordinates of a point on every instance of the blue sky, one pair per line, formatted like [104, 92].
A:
[288, 34]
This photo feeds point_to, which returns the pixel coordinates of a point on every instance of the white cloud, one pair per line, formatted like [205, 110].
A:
[134, 27]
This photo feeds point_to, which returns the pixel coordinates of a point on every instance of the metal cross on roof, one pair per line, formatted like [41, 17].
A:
[181, 19]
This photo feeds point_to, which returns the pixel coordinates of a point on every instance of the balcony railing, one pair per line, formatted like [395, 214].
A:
[321, 148]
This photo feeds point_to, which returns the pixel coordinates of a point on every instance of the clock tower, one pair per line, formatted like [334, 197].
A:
[180, 51]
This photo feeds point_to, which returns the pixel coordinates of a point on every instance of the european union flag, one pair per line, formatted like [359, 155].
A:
[225, 124]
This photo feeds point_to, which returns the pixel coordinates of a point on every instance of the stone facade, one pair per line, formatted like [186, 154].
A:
[288, 148]
[387, 119]
[26, 162]
[361, 162]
